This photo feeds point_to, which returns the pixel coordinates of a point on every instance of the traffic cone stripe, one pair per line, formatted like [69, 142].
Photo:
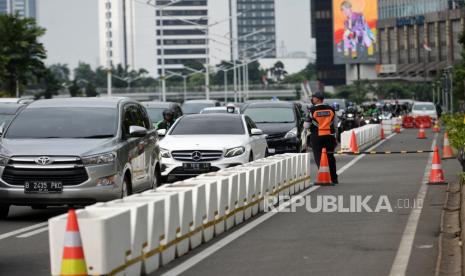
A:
[436, 167]
[72, 239]
[324, 170]
[436, 175]
[73, 253]
[73, 268]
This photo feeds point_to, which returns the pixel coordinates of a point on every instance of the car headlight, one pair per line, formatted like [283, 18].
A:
[292, 133]
[234, 152]
[164, 153]
[3, 160]
[367, 121]
[350, 115]
[99, 159]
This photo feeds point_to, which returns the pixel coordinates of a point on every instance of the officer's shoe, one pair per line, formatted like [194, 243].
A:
[335, 182]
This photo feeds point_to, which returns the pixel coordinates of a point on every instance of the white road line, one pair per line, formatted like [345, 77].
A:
[22, 230]
[32, 233]
[249, 226]
[399, 267]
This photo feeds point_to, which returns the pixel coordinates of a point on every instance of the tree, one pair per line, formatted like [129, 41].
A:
[21, 53]
[277, 71]
[459, 74]
[51, 84]
[308, 73]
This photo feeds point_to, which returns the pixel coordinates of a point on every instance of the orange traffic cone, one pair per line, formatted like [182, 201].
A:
[447, 149]
[382, 133]
[436, 176]
[421, 133]
[436, 128]
[324, 176]
[353, 143]
[73, 262]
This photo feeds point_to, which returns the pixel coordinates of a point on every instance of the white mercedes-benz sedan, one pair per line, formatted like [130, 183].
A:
[203, 143]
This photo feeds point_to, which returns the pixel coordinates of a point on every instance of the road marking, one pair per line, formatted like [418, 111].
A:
[399, 266]
[32, 233]
[249, 226]
[22, 230]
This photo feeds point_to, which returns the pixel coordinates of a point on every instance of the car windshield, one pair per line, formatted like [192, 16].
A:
[59, 122]
[261, 115]
[204, 125]
[195, 108]
[424, 107]
[155, 114]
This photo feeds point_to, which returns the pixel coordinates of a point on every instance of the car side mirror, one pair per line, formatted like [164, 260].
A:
[256, 132]
[137, 131]
[161, 132]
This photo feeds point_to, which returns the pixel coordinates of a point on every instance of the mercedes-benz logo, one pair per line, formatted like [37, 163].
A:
[43, 160]
[196, 156]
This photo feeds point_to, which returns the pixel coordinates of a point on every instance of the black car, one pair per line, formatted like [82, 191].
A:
[155, 110]
[195, 106]
[281, 121]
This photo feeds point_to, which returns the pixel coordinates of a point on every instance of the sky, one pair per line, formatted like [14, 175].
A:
[72, 30]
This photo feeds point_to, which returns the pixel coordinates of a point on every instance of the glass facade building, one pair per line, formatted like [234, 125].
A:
[255, 15]
[419, 38]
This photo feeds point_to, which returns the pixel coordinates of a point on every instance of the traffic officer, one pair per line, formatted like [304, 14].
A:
[168, 120]
[322, 122]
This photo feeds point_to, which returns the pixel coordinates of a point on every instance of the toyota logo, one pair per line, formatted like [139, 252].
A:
[196, 156]
[43, 160]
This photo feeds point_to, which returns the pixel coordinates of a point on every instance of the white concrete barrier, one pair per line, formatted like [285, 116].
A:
[366, 136]
[172, 224]
[158, 225]
[106, 239]
[186, 217]
[199, 208]
[139, 235]
[155, 229]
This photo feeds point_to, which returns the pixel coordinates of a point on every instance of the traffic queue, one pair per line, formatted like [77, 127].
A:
[78, 151]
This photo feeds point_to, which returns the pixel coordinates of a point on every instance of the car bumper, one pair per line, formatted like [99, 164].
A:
[172, 167]
[283, 145]
[83, 194]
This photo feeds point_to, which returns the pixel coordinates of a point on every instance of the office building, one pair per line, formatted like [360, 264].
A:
[24, 8]
[253, 16]
[117, 33]
[418, 38]
[181, 34]
[328, 74]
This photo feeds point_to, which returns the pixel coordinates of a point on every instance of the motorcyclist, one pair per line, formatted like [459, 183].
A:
[168, 120]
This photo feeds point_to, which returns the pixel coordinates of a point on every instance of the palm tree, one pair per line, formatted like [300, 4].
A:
[21, 54]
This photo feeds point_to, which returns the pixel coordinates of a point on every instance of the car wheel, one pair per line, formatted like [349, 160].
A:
[251, 157]
[4, 209]
[157, 181]
[127, 188]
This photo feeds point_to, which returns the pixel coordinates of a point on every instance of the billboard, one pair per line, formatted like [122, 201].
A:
[354, 31]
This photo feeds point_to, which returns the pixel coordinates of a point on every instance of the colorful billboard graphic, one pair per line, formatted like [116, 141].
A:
[354, 28]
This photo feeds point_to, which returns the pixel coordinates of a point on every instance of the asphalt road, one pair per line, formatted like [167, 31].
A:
[298, 243]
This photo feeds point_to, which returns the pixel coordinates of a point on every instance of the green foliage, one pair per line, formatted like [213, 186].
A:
[308, 73]
[455, 126]
[21, 54]
[356, 92]
[459, 75]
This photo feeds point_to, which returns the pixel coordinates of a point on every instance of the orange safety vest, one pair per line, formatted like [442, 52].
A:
[323, 120]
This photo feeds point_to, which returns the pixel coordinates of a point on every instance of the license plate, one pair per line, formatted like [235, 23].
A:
[271, 150]
[196, 166]
[43, 187]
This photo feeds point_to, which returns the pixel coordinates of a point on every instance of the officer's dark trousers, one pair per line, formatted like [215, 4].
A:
[329, 142]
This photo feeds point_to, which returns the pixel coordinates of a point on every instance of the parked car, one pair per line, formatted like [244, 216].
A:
[424, 109]
[221, 110]
[77, 151]
[7, 112]
[198, 144]
[281, 121]
[155, 110]
[195, 106]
